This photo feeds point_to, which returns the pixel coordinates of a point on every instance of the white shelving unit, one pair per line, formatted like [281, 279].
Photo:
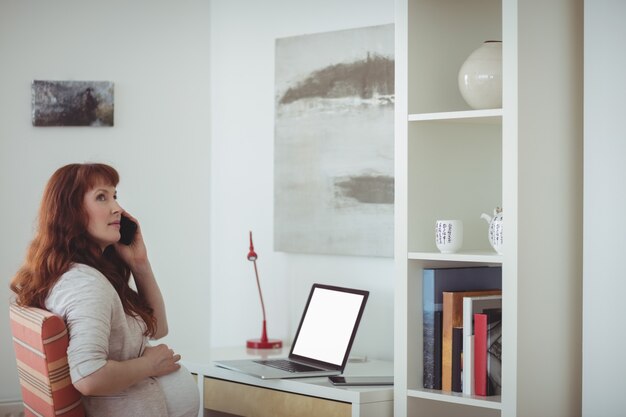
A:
[453, 162]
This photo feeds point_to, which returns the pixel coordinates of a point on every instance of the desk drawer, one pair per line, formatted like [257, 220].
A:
[251, 401]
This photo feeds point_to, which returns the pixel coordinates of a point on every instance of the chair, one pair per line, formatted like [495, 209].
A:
[40, 340]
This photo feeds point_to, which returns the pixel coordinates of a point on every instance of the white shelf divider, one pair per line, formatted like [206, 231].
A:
[492, 402]
[477, 116]
[484, 256]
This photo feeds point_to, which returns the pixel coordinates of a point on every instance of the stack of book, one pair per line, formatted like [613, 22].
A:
[462, 329]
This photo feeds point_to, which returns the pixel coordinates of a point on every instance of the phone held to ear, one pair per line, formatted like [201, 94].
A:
[128, 228]
[361, 380]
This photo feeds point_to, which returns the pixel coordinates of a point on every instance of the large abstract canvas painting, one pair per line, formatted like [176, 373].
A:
[333, 175]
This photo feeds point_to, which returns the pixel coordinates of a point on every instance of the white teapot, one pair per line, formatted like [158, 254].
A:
[495, 229]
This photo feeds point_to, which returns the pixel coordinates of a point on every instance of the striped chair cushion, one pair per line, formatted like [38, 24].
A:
[40, 340]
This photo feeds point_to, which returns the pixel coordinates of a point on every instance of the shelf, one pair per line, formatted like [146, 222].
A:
[485, 256]
[492, 402]
[487, 116]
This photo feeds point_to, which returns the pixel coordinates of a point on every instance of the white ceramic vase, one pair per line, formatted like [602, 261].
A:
[480, 77]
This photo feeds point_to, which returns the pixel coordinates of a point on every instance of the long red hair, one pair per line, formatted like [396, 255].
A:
[62, 239]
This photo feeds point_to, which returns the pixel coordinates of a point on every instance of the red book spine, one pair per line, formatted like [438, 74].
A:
[480, 354]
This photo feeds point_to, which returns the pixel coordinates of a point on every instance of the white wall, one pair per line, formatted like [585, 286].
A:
[197, 176]
[156, 52]
[243, 34]
[604, 282]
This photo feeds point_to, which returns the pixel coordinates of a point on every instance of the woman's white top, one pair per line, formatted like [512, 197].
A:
[100, 330]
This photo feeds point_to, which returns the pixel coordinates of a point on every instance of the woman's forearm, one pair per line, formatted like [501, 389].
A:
[149, 289]
[114, 377]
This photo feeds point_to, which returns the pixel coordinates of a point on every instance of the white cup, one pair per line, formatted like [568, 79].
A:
[449, 235]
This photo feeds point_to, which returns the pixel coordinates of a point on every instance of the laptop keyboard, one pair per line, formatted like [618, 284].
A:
[288, 366]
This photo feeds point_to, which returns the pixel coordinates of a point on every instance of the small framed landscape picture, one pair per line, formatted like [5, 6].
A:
[72, 103]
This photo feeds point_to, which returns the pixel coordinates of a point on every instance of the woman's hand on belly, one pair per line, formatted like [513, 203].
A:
[162, 359]
[116, 376]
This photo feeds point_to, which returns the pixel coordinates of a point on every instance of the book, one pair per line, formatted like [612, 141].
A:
[480, 354]
[494, 351]
[468, 365]
[437, 349]
[472, 305]
[453, 317]
[488, 352]
[434, 282]
[457, 359]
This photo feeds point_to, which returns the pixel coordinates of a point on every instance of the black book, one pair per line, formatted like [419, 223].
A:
[457, 359]
[437, 350]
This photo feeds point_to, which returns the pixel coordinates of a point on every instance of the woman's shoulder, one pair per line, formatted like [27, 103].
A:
[83, 280]
[83, 274]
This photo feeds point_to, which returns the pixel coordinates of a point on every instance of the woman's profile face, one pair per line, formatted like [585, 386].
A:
[104, 214]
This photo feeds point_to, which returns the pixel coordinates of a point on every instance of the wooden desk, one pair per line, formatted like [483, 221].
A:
[228, 393]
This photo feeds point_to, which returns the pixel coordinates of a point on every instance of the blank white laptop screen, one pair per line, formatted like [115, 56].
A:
[330, 318]
[322, 342]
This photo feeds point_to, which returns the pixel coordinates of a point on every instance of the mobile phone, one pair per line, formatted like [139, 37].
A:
[128, 228]
[361, 380]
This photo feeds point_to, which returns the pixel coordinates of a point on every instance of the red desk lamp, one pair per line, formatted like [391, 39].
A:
[263, 342]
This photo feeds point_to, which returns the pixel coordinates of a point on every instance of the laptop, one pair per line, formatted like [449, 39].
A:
[323, 341]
